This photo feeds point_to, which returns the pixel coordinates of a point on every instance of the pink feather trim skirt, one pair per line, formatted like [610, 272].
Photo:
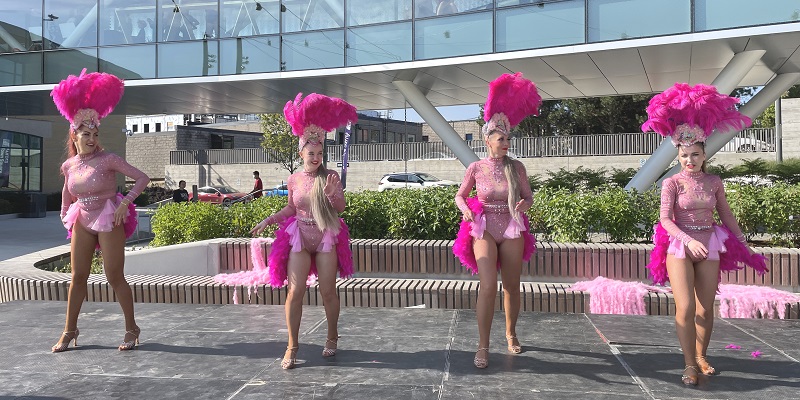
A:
[101, 219]
[288, 239]
[468, 231]
[722, 245]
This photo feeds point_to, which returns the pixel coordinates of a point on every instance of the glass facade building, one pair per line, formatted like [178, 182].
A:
[42, 41]
[20, 162]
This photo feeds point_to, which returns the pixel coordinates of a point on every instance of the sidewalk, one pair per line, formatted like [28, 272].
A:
[20, 236]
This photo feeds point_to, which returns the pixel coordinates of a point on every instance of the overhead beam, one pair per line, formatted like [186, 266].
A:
[727, 80]
[428, 112]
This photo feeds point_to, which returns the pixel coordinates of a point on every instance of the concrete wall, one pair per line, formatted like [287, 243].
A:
[790, 109]
[366, 175]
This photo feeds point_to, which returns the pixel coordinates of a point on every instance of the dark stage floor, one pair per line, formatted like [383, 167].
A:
[232, 352]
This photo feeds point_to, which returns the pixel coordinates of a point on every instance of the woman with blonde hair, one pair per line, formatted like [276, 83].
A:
[495, 232]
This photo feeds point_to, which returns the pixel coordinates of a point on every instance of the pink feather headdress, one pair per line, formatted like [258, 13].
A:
[690, 114]
[511, 99]
[88, 98]
[311, 118]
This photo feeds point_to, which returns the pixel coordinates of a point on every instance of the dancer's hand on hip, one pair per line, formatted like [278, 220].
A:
[522, 206]
[468, 215]
[120, 213]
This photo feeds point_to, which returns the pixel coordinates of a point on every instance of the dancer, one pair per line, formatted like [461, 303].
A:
[690, 248]
[312, 239]
[495, 232]
[95, 215]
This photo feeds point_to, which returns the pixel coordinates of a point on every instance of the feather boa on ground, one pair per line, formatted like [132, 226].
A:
[735, 258]
[608, 296]
[739, 301]
[463, 250]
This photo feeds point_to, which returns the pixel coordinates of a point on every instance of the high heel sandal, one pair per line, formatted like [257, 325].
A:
[72, 336]
[705, 367]
[289, 363]
[690, 380]
[513, 349]
[481, 362]
[328, 351]
[131, 344]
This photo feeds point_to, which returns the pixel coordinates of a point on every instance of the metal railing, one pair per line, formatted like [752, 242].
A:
[747, 141]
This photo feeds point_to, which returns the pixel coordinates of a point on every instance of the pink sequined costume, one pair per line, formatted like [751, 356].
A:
[90, 193]
[491, 210]
[298, 232]
[688, 200]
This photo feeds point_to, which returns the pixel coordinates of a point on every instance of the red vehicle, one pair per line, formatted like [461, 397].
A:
[219, 195]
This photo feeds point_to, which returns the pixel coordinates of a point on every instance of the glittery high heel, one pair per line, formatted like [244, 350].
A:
[689, 380]
[705, 367]
[131, 344]
[72, 336]
[481, 362]
[291, 361]
[329, 351]
[512, 348]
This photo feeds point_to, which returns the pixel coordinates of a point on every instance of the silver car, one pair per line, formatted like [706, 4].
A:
[411, 180]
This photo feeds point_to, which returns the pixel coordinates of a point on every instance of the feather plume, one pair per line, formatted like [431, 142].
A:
[94, 91]
[513, 96]
[319, 110]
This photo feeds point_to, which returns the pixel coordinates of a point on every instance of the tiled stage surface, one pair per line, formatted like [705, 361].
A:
[232, 352]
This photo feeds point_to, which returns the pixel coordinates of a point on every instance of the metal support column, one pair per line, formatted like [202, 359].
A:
[725, 82]
[428, 112]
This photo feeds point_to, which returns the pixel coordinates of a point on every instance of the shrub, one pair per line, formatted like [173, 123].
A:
[366, 213]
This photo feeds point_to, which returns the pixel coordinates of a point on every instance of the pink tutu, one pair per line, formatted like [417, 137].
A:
[723, 246]
[463, 249]
[287, 239]
[100, 220]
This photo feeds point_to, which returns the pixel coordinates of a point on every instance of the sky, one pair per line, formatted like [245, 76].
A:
[450, 113]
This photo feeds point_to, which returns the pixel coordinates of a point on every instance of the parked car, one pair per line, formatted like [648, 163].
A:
[750, 145]
[219, 195]
[411, 180]
[278, 190]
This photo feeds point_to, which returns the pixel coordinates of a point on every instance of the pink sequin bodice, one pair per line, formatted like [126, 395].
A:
[688, 200]
[300, 185]
[487, 177]
[90, 180]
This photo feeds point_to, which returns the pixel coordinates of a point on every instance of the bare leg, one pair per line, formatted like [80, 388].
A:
[681, 278]
[327, 266]
[113, 246]
[706, 278]
[486, 256]
[510, 271]
[81, 253]
[297, 269]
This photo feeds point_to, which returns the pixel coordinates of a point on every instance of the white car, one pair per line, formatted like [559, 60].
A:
[748, 145]
[411, 180]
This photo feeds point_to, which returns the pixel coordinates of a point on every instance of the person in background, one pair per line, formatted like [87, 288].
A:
[258, 186]
[180, 195]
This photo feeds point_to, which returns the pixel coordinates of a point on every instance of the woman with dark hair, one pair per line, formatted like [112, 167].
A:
[691, 248]
[94, 214]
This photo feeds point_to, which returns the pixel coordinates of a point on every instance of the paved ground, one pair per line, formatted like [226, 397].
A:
[20, 236]
[232, 352]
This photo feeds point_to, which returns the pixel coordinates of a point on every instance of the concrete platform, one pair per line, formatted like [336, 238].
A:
[233, 352]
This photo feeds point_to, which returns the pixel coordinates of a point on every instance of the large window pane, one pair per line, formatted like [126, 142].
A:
[313, 50]
[59, 64]
[250, 55]
[362, 12]
[623, 19]
[453, 36]
[129, 62]
[379, 44]
[250, 17]
[187, 59]
[719, 14]
[129, 21]
[20, 69]
[187, 20]
[546, 25]
[70, 23]
[309, 15]
[22, 23]
[429, 8]
[20, 168]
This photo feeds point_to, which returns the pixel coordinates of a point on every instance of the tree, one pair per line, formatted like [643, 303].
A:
[279, 141]
[767, 118]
